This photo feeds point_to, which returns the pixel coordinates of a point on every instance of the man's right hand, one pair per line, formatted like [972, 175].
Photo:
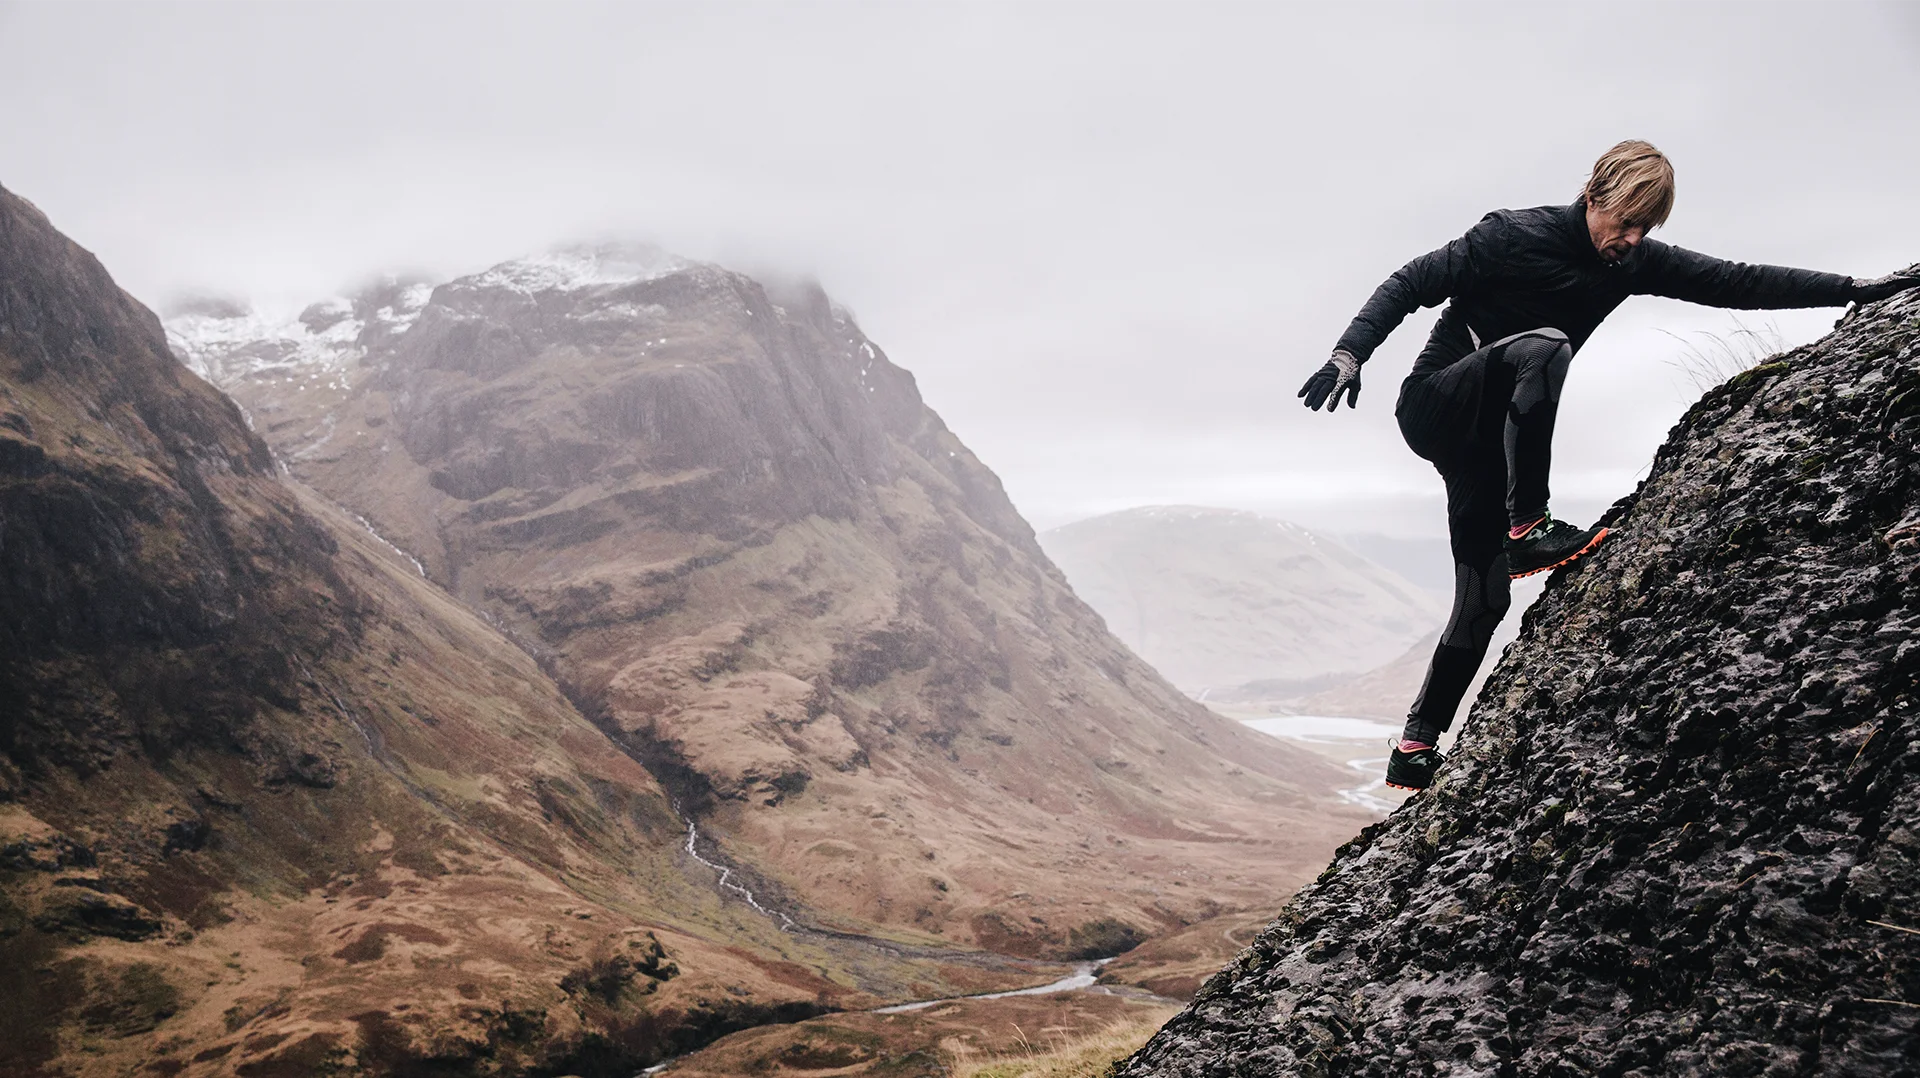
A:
[1881, 287]
[1338, 375]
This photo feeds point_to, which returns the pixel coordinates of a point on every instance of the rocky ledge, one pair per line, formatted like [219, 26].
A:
[1679, 834]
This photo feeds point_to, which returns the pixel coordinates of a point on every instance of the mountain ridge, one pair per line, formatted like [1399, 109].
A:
[745, 547]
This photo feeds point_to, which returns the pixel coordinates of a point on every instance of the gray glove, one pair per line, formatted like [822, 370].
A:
[1881, 287]
[1338, 375]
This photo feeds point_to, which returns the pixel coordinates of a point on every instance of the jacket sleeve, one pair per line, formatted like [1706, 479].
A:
[1427, 281]
[1678, 273]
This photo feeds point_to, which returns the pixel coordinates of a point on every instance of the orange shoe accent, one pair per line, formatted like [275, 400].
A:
[1568, 560]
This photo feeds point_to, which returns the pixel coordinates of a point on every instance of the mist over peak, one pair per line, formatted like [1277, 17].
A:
[576, 266]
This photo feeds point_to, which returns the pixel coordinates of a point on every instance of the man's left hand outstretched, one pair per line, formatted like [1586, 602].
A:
[1880, 288]
[1338, 375]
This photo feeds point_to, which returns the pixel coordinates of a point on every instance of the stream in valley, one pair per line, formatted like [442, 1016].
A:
[1083, 976]
[1359, 744]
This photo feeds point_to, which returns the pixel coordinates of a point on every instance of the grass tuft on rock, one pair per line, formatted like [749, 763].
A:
[1088, 1055]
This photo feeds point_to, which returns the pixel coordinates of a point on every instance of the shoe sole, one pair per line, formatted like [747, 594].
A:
[1568, 560]
[1411, 789]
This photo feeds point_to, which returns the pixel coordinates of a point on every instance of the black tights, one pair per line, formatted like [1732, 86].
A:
[1486, 422]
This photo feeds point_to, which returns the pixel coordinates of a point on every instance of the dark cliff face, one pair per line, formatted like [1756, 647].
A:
[696, 377]
[139, 602]
[1679, 836]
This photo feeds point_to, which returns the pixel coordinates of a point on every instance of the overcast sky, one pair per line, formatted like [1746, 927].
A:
[1110, 240]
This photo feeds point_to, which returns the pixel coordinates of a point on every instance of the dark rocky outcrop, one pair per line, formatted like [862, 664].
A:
[115, 542]
[1679, 836]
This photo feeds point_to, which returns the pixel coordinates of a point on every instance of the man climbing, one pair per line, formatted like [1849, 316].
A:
[1528, 287]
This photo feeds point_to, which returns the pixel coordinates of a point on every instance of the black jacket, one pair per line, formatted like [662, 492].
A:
[1531, 269]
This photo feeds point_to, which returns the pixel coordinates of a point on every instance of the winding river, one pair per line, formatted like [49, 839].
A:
[1336, 732]
[726, 876]
[1083, 976]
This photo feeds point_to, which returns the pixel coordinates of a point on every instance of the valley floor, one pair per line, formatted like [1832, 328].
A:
[1053, 1032]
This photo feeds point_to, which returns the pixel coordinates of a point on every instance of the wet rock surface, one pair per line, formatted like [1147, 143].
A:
[1679, 836]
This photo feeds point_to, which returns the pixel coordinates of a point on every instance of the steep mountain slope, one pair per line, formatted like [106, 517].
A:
[748, 550]
[1215, 598]
[1678, 836]
[271, 802]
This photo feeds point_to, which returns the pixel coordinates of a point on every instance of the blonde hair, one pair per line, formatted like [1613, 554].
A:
[1633, 180]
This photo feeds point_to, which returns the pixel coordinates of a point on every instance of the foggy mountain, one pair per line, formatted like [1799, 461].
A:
[700, 584]
[730, 529]
[267, 794]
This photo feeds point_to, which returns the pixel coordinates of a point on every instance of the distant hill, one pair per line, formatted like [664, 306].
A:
[1385, 692]
[1215, 598]
[1425, 561]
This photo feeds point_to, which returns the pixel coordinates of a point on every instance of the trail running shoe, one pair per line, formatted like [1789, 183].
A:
[1549, 545]
[1413, 770]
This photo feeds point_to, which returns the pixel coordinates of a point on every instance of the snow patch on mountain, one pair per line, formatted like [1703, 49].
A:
[254, 343]
[225, 340]
[225, 343]
[570, 269]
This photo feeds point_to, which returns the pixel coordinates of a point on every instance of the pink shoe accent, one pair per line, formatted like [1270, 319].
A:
[1515, 533]
[1413, 746]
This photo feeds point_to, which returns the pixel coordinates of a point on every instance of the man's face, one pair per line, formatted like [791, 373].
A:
[1612, 236]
